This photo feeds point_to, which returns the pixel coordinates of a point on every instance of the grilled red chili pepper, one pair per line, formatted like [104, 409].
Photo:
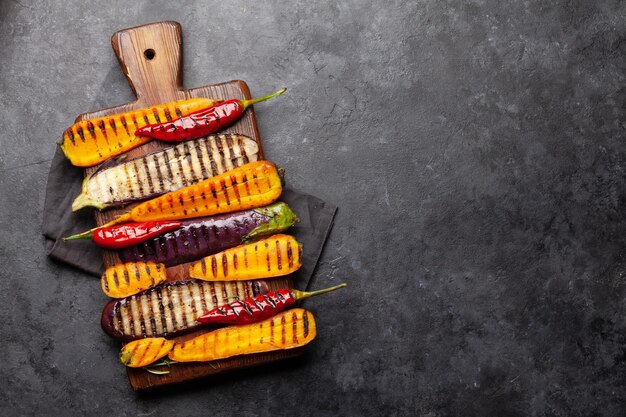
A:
[202, 122]
[251, 310]
[128, 234]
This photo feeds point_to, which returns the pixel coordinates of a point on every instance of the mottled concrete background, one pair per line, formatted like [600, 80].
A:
[476, 152]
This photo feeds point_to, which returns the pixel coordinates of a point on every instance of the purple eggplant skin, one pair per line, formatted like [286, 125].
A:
[214, 294]
[205, 236]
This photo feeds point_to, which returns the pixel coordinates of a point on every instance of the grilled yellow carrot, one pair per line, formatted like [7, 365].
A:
[249, 186]
[122, 280]
[272, 257]
[89, 142]
[287, 330]
[143, 352]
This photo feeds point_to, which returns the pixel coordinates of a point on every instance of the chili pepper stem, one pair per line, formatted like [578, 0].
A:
[301, 295]
[247, 103]
[85, 235]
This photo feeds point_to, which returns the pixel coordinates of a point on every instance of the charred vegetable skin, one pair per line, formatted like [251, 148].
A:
[172, 308]
[90, 142]
[201, 237]
[290, 329]
[249, 186]
[252, 310]
[270, 257]
[129, 234]
[202, 122]
[164, 171]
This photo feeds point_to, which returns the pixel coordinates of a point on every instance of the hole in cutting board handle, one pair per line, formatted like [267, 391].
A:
[149, 54]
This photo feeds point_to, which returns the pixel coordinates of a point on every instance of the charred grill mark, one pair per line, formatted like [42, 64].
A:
[156, 115]
[179, 114]
[225, 265]
[305, 323]
[229, 144]
[70, 135]
[151, 312]
[267, 257]
[123, 120]
[162, 309]
[225, 189]
[91, 129]
[197, 148]
[214, 167]
[145, 118]
[245, 257]
[113, 126]
[220, 150]
[244, 180]
[190, 288]
[203, 296]
[103, 129]
[236, 187]
[139, 181]
[235, 261]
[148, 176]
[272, 331]
[167, 164]
[289, 254]
[126, 276]
[203, 266]
[213, 295]
[294, 323]
[116, 279]
[168, 115]
[79, 129]
[278, 256]
[283, 328]
[214, 266]
[137, 274]
[170, 307]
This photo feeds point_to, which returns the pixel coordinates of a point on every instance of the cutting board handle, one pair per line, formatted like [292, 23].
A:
[150, 56]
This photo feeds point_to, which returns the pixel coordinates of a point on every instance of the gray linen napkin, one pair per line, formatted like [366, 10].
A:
[64, 182]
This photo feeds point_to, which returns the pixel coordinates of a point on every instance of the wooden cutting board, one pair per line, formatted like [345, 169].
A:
[150, 56]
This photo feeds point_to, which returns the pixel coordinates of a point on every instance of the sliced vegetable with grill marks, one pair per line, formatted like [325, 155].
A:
[123, 280]
[166, 170]
[270, 257]
[251, 310]
[171, 308]
[249, 186]
[145, 351]
[201, 237]
[287, 330]
[90, 142]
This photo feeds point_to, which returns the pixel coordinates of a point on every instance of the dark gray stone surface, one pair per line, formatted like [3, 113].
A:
[476, 152]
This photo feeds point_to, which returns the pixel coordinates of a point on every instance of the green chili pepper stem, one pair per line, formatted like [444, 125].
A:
[247, 103]
[85, 235]
[301, 295]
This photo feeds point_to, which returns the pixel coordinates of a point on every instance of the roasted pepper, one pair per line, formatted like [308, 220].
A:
[251, 310]
[202, 122]
[129, 234]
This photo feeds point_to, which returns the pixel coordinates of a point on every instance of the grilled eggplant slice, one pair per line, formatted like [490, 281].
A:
[167, 170]
[201, 237]
[172, 308]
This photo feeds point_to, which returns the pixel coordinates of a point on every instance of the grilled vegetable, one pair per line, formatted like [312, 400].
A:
[167, 170]
[249, 186]
[261, 307]
[171, 308]
[288, 330]
[202, 122]
[123, 280]
[271, 257]
[145, 351]
[201, 237]
[89, 142]
[124, 235]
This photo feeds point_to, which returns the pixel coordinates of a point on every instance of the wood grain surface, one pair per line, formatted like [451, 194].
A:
[150, 56]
